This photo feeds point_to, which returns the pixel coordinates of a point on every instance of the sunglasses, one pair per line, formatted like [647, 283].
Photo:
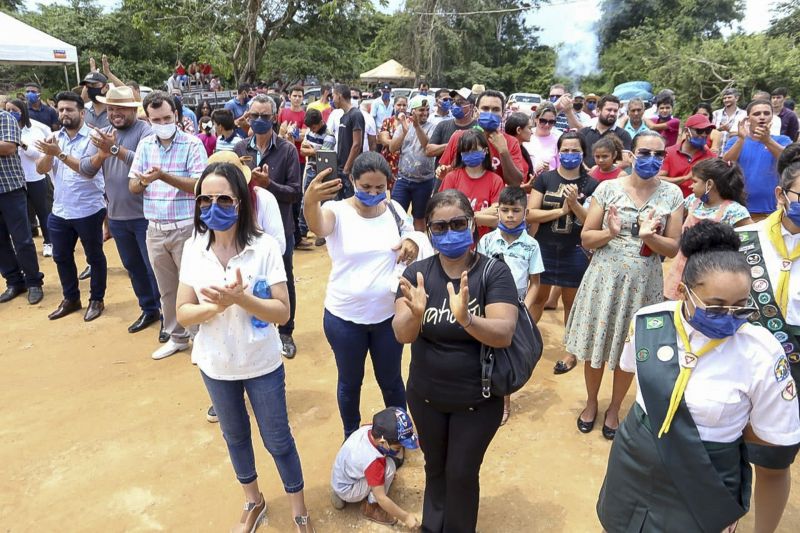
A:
[658, 154]
[698, 133]
[716, 311]
[545, 122]
[265, 116]
[447, 99]
[440, 227]
[222, 200]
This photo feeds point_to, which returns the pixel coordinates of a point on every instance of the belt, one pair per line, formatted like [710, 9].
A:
[170, 226]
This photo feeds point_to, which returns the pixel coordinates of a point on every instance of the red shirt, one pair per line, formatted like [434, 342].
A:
[670, 134]
[180, 71]
[599, 175]
[678, 163]
[514, 149]
[482, 192]
[295, 118]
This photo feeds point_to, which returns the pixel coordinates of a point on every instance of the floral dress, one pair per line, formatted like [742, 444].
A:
[619, 280]
[390, 125]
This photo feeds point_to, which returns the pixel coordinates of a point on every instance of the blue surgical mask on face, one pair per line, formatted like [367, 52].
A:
[554, 99]
[714, 327]
[260, 126]
[16, 114]
[32, 97]
[386, 96]
[178, 99]
[705, 196]
[452, 244]
[697, 142]
[457, 111]
[423, 93]
[387, 451]
[447, 105]
[473, 159]
[370, 200]
[488, 121]
[571, 160]
[590, 106]
[792, 211]
[512, 231]
[647, 167]
[218, 218]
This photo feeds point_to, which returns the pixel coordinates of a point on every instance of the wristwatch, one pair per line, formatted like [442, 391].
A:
[62, 156]
[114, 149]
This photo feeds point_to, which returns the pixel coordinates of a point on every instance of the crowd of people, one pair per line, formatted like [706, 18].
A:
[581, 200]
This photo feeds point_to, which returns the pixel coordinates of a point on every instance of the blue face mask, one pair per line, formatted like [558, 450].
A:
[457, 111]
[218, 218]
[178, 100]
[16, 114]
[386, 96]
[370, 200]
[387, 451]
[452, 244]
[261, 126]
[489, 121]
[32, 97]
[512, 231]
[705, 197]
[590, 106]
[714, 327]
[792, 211]
[423, 93]
[571, 160]
[554, 99]
[473, 159]
[697, 142]
[647, 167]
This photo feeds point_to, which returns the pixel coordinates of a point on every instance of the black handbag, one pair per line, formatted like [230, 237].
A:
[506, 370]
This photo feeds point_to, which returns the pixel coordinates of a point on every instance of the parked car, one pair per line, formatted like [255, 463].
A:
[524, 102]
[311, 94]
[401, 91]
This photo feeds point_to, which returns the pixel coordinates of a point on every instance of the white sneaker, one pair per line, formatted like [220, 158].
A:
[47, 250]
[170, 347]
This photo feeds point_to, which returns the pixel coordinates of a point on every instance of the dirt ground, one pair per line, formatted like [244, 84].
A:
[96, 436]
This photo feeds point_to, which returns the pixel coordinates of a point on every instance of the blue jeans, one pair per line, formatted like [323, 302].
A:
[131, 239]
[65, 234]
[267, 396]
[18, 262]
[414, 193]
[350, 342]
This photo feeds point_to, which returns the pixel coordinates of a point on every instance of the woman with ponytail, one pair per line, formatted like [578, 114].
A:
[707, 381]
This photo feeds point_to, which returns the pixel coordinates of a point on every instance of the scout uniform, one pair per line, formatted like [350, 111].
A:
[771, 251]
[678, 461]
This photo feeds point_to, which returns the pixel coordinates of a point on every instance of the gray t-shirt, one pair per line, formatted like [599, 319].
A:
[414, 165]
[122, 204]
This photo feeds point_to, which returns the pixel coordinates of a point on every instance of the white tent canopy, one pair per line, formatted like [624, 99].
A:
[21, 44]
[389, 71]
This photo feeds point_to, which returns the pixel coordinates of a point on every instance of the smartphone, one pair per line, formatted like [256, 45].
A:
[327, 159]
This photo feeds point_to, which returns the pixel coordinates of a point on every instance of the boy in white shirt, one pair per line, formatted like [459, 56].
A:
[362, 473]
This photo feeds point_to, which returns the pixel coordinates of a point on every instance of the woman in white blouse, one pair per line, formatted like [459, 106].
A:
[35, 183]
[368, 238]
[233, 286]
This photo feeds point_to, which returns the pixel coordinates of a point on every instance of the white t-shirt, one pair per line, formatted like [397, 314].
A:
[333, 122]
[370, 128]
[228, 346]
[268, 217]
[362, 281]
[358, 459]
[742, 381]
[29, 156]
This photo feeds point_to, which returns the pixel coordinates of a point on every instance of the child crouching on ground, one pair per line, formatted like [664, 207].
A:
[519, 251]
[366, 464]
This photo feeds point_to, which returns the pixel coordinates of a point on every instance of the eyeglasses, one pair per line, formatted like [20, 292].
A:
[222, 200]
[716, 311]
[446, 99]
[791, 191]
[265, 116]
[658, 154]
[439, 227]
[545, 122]
[556, 95]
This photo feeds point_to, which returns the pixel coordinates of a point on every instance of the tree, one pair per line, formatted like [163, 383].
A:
[787, 21]
[10, 5]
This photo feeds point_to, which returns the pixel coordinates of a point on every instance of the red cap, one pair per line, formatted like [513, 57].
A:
[699, 122]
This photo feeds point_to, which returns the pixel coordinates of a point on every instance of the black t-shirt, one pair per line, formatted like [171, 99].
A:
[350, 122]
[445, 359]
[444, 130]
[565, 230]
[46, 115]
[591, 136]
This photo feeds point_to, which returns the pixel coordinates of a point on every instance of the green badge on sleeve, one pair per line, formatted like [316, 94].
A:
[642, 354]
[655, 322]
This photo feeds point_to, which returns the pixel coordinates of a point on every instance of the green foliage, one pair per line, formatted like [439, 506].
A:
[787, 22]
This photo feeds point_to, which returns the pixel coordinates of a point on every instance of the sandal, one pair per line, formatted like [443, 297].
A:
[304, 522]
[506, 410]
[254, 515]
[562, 368]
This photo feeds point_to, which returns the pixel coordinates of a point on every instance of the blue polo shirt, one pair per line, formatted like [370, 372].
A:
[760, 173]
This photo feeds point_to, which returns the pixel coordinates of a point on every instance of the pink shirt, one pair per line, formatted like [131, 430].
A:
[543, 149]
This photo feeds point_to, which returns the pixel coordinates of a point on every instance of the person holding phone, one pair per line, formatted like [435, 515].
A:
[632, 221]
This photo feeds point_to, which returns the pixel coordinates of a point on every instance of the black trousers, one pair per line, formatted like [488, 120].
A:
[453, 442]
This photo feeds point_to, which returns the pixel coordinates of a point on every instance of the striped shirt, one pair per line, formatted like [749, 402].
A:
[12, 177]
[185, 157]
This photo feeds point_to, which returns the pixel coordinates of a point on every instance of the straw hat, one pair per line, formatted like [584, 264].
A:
[119, 96]
[226, 156]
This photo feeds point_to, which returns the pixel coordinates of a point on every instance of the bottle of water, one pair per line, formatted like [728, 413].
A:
[260, 290]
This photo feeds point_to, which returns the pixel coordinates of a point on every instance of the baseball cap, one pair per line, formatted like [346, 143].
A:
[386, 87]
[578, 94]
[94, 77]
[699, 122]
[462, 92]
[394, 425]
[478, 88]
[418, 101]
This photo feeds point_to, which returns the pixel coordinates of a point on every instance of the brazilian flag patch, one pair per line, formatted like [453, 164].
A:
[654, 322]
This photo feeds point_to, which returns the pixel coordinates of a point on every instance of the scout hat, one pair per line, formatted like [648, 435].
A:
[394, 425]
[119, 96]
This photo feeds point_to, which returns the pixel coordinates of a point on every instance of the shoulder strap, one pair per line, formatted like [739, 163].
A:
[396, 215]
[484, 275]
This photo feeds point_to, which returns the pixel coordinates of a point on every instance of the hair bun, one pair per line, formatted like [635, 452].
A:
[707, 236]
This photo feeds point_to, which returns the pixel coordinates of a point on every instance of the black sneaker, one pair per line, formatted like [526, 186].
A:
[211, 415]
[289, 350]
[319, 242]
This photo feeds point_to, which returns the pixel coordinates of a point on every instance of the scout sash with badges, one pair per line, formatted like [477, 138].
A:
[770, 313]
[682, 452]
